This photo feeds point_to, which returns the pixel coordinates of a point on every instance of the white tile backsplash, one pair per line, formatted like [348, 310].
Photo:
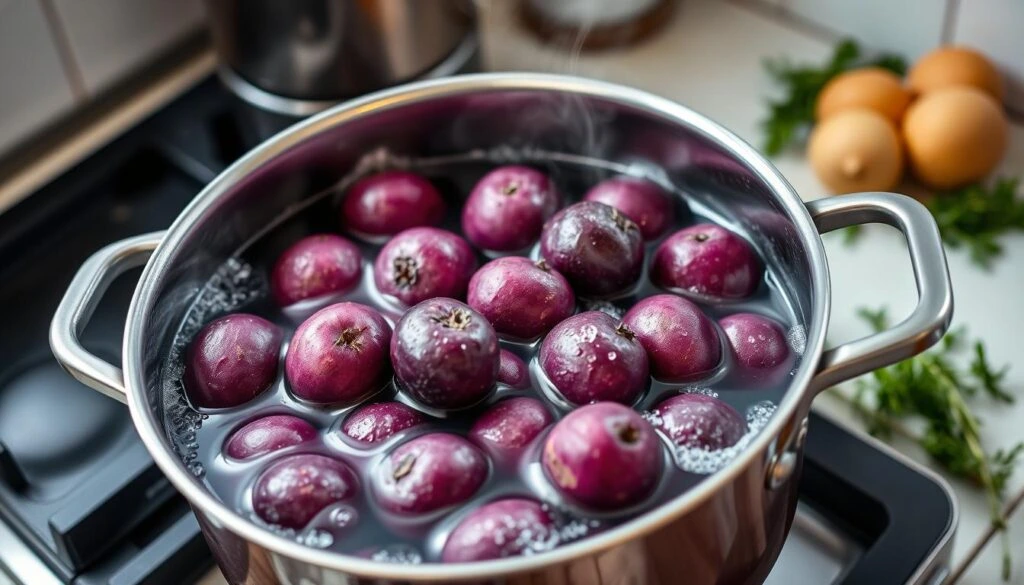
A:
[33, 88]
[110, 38]
[996, 27]
[908, 27]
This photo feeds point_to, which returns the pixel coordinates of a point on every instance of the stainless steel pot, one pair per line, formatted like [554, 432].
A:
[729, 528]
[299, 57]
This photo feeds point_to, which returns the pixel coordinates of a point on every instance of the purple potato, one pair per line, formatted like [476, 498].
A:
[429, 473]
[267, 434]
[445, 354]
[294, 489]
[508, 207]
[390, 202]
[380, 421]
[759, 345]
[339, 354]
[423, 263]
[709, 261]
[681, 341]
[644, 202]
[509, 426]
[521, 298]
[591, 357]
[315, 266]
[597, 249]
[231, 360]
[500, 529]
[699, 421]
[512, 370]
[603, 456]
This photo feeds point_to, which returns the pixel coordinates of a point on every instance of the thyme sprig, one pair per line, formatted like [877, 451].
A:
[933, 389]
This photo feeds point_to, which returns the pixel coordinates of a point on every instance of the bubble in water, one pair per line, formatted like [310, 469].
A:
[576, 528]
[183, 424]
[528, 537]
[398, 554]
[343, 516]
[652, 417]
[316, 538]
[605, 307]
[758, 414]
[234, 284]
[706, 461]
[532, 541]
[587, 334]
[797, 339]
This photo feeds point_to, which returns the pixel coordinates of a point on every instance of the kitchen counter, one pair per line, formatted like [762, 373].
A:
[710, 59]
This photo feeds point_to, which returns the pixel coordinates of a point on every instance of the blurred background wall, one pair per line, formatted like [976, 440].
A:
[56, 55]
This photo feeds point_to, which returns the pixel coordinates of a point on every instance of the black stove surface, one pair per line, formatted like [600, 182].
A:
[76, 484]
[78, 489]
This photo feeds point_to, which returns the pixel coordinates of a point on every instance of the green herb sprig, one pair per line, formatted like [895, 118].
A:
[931, 388]
[975, 218]
[790, 116]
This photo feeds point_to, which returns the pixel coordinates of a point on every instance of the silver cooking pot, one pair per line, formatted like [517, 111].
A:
[727, 529]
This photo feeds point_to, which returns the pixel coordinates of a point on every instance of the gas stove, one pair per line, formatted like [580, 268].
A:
[82, 503]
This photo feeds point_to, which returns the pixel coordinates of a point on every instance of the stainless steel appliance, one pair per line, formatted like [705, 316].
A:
[742, 513]
[302, 56]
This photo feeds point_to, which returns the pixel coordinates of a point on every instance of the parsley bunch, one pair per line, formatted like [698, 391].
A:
[931, 388]
[975, 217]
[790, 117]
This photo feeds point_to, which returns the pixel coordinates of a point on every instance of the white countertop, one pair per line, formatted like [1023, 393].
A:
[710, 59]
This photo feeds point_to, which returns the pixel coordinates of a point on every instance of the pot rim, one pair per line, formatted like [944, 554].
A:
[672, 113]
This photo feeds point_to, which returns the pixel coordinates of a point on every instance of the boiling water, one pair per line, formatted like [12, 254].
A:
[357, 526]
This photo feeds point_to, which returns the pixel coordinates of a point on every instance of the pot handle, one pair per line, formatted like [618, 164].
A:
[78, 304]
[923, 328]
[929, 319]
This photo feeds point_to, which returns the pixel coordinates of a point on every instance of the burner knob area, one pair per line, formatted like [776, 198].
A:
[10, 473]
[52, 425]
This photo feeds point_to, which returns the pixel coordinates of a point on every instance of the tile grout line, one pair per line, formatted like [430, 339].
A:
[949, 20]
[72, 69]
[985, 538]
